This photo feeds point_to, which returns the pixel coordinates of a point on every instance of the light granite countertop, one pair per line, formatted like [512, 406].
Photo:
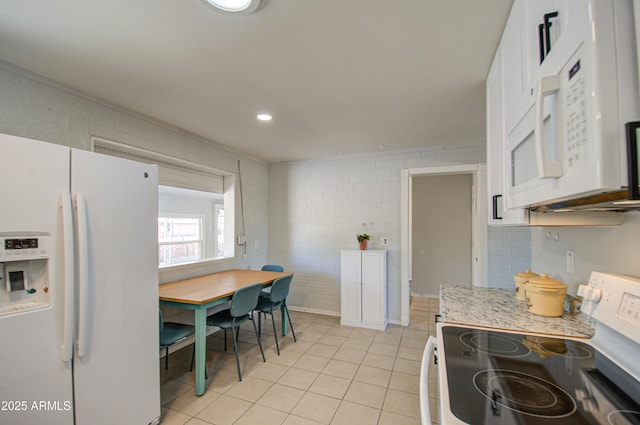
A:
[499, 309]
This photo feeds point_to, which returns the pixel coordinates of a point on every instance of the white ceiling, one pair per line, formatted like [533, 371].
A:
[340, 77]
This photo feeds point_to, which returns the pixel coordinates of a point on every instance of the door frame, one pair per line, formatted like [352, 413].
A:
[478, 226]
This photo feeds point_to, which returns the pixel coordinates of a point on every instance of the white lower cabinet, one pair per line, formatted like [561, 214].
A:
[364, 288]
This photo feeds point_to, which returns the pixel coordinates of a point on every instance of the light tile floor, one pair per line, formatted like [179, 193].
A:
[333, 375]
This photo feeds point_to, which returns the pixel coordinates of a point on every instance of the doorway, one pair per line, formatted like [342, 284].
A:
[478, 226]
[440, 232]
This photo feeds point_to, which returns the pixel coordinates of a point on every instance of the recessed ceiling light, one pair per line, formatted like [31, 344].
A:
[234, 7]
[264, 117]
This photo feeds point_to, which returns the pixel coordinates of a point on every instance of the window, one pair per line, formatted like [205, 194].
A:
[179, 240]
[192, 200]
[190, 225]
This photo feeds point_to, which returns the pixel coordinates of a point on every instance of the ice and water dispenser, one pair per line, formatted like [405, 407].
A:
[24, 281]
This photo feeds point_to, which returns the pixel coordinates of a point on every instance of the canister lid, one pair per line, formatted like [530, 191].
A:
[524, 276]
[545, 281]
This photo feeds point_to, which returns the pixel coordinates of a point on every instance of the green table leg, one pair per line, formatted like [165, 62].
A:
[201, 349]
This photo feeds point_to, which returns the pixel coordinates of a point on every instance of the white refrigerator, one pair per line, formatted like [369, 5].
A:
[78, 287]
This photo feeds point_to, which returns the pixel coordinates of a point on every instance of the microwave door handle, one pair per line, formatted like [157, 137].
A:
[546, 169]
[632, 159]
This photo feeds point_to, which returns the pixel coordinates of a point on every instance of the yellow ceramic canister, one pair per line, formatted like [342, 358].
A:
[520, 279]
[545, 296]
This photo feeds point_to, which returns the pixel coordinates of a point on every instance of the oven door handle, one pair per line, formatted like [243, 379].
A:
[425, 413]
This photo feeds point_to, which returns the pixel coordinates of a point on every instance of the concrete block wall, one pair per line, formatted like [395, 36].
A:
[317, 207]
[509, 252]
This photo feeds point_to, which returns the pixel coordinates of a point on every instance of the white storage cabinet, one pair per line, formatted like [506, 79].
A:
[364, 288]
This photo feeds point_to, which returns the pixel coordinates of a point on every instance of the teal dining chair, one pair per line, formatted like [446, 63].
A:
[277, 300]
[171, 333]
[243, 302]
[272, 268]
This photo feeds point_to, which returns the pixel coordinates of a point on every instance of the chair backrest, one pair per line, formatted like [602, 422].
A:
[272, 268]
[280, 288]
[161, 321]
[245, 299]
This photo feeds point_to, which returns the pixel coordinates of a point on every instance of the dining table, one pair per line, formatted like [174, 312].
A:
[203, 292]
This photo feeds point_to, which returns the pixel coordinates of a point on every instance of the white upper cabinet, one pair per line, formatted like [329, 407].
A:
[498, 213]
[515, 73]
[531, 43]
[546, 41]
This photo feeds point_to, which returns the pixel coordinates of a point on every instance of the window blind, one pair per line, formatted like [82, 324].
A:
[171, 171]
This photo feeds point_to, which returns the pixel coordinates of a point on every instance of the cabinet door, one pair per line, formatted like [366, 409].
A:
[498, 213]
[374, 289]
[351, 277]
[517, 99]
[542, 30]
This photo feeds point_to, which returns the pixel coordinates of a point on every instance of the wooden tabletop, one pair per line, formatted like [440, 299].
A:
[204, 289]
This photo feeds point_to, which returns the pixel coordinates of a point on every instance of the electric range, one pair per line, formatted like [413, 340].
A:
[489, 376]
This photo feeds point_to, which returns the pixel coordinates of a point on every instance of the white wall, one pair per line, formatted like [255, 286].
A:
[317, 207]
[34, 107]
[509, 252]
[604, 249]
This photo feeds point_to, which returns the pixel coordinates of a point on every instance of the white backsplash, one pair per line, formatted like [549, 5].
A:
[605, 249]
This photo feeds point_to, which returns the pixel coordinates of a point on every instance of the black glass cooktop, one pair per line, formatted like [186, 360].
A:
[501, 378]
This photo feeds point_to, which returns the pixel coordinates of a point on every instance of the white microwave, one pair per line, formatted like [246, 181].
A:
[571, 143]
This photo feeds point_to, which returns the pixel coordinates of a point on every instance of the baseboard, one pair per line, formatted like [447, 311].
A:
[314, 311]
[413, 294]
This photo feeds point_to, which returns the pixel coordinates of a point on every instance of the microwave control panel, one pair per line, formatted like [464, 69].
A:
[20, 248]
[575, 115]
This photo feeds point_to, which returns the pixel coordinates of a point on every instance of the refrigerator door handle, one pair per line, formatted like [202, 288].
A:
[83, 275]
[69, 312]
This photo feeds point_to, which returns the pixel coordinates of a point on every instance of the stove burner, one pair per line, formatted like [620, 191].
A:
[572, 350]
[524, 393]
[624, 417]
[491, 343]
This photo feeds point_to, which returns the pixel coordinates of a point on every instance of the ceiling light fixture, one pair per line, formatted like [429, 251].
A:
[234, 7]
[264, 117]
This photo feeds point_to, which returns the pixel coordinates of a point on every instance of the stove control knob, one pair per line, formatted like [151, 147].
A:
[589, 293]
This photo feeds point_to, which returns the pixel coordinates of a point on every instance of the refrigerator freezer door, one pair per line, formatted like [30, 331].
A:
[35, 383]
[116, 373]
